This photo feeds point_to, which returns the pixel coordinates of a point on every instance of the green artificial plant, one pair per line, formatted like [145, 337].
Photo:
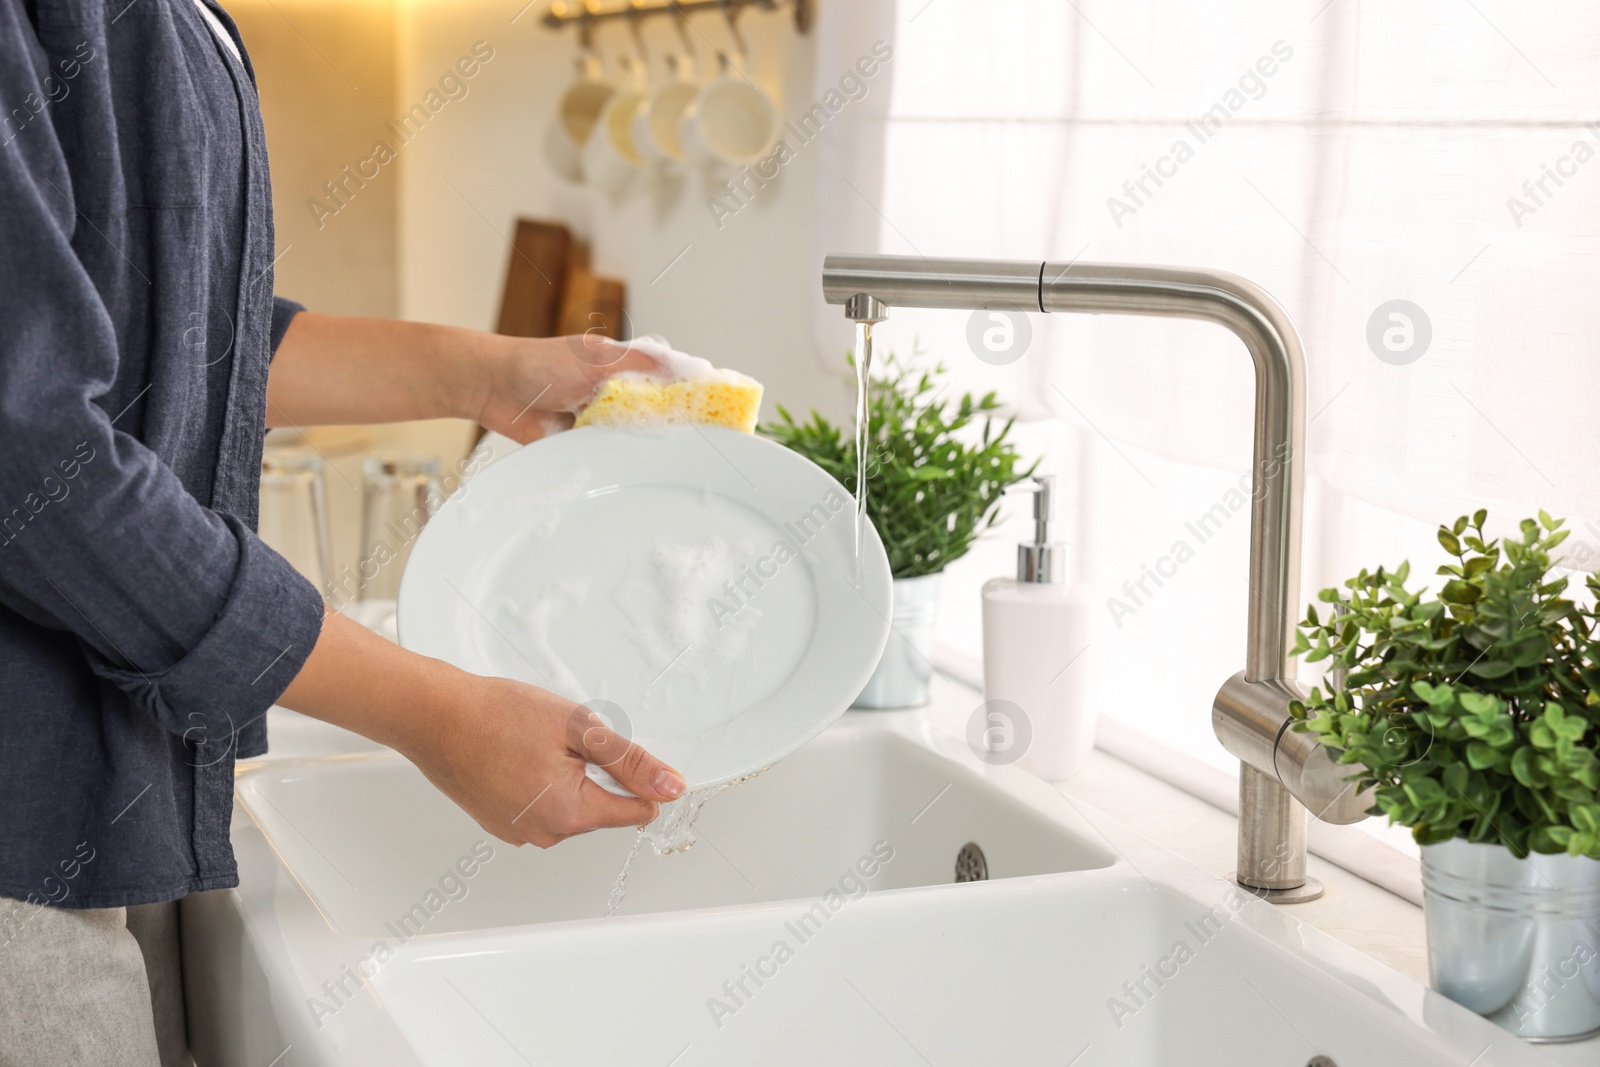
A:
[930, 493]
[1473, 713]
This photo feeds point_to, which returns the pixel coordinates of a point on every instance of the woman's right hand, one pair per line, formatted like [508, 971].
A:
[510, 754]
[513, 757]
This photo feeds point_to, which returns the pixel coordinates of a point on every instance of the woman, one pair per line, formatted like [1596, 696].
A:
[142, 354]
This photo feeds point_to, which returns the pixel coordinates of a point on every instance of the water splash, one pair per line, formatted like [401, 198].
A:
[671, 831]
[619, 888]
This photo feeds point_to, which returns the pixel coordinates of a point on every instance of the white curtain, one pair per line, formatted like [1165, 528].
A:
[1435, 160]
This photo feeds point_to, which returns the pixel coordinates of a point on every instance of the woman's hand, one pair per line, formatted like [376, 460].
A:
[535, 385]
[331, 369]
[511, 755]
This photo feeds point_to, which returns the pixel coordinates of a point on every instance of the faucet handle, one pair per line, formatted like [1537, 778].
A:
[1252, 721]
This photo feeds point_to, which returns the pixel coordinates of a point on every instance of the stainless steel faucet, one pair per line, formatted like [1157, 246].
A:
[1282, 772]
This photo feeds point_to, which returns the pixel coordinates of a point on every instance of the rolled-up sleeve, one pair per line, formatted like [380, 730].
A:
[182, 607]
[247, 657]
[283, 313]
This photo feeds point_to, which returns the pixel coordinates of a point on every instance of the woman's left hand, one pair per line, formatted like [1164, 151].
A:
[331, 370]
[536, 384]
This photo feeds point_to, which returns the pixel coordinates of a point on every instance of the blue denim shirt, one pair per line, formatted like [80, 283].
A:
[144, 629]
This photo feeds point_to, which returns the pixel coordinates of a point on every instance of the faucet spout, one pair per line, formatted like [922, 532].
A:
[1251, 712]
[864, 308]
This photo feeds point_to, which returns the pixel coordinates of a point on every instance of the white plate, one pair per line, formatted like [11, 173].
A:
[698, 587]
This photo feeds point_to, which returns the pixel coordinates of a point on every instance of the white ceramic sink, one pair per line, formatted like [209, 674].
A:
[817, 921]
[789, 833]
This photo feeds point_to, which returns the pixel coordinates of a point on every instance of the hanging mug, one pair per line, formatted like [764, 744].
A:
[577, 114]
[657, 128]
[733, 120]
[610, 159]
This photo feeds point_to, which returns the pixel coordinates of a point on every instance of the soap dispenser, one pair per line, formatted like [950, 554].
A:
[1036, 631]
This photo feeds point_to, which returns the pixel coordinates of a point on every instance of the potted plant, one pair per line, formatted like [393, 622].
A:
[1474, 715]
[930, 492]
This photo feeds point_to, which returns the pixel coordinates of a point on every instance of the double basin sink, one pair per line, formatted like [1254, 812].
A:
[880, 897]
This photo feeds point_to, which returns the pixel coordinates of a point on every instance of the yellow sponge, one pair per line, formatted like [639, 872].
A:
[725, 399]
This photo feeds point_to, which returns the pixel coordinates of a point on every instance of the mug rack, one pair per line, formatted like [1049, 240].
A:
[591, 13]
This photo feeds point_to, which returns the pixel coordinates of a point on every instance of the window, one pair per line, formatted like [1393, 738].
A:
[1417, 183]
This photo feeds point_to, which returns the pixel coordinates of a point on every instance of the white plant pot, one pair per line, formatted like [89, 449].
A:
[1515, 940]
[903, 672]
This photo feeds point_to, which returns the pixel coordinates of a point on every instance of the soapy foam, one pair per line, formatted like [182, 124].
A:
[536, 620]
[665, 597]
[675, 366]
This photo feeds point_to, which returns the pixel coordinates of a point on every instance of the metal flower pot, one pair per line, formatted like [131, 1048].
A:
[1515, 940]
[902, 675]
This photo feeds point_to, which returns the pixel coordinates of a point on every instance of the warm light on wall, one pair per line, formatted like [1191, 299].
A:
[592, 12]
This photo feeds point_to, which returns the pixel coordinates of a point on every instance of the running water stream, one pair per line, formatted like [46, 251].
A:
[863, 355]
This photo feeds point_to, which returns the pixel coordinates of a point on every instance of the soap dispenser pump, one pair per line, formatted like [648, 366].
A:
[1036, 630]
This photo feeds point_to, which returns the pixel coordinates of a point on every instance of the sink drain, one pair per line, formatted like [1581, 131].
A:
[970, 864]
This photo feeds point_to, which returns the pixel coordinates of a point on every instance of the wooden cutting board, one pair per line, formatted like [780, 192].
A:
[593, 303]
[550, 290]
[536, 280]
